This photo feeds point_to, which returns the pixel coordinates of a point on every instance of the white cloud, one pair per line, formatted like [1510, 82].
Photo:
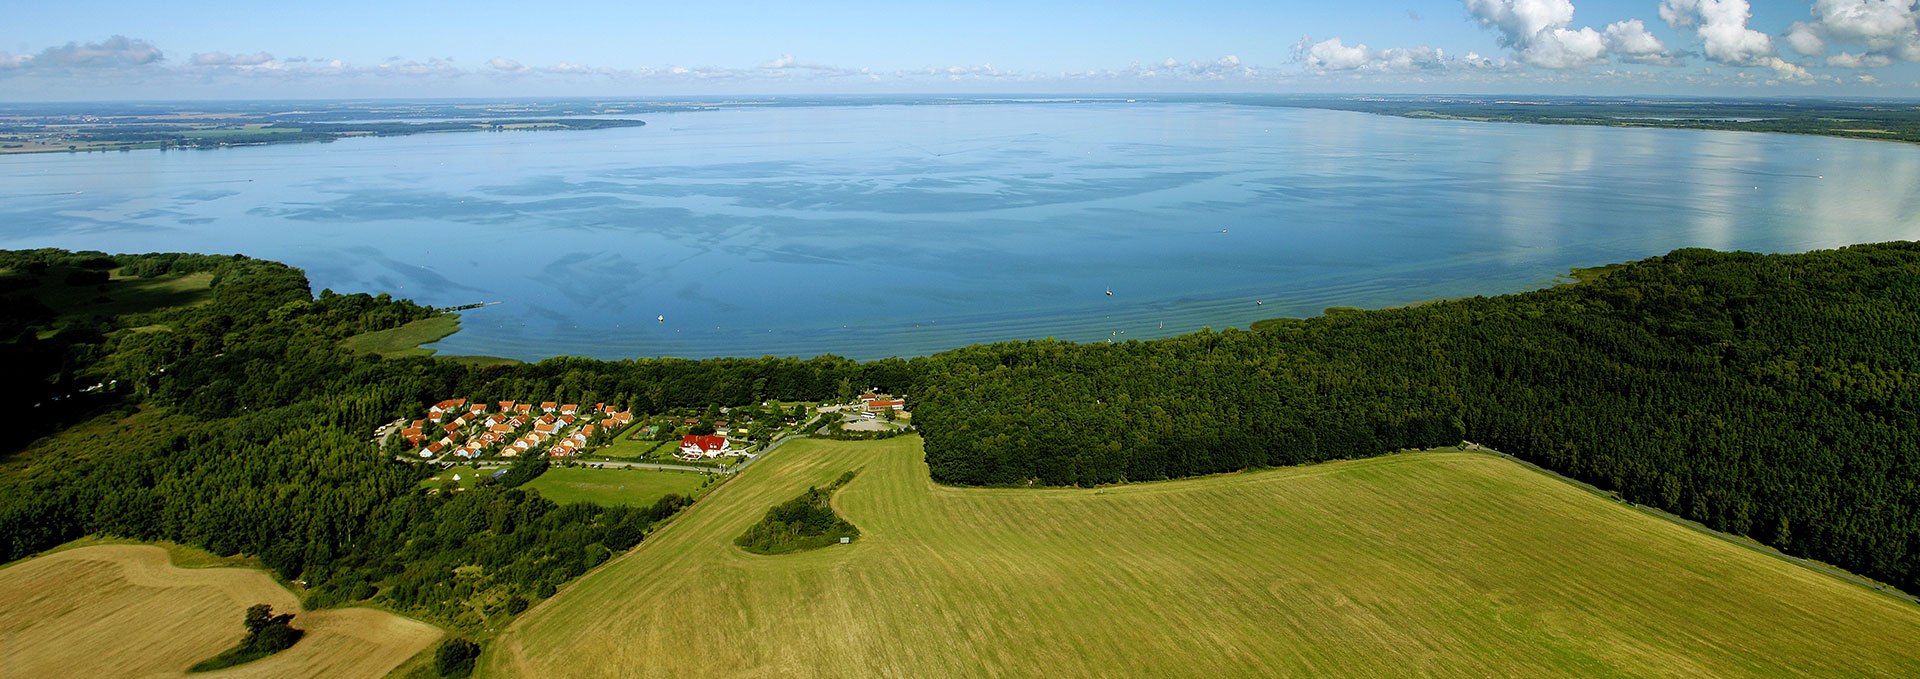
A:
[1410, 58]
[1850, 60]
[1866, 21]
[224, 59]
[1886, 28]
[1785, 69]
[1561, 48]
[1722, 27]
[1333, 55]
[1630, 40]
[396, 66]
[116, 52]
[1805, 39]
[507, 65]
[1539, 31]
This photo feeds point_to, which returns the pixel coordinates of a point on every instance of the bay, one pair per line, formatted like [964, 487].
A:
[881, 230]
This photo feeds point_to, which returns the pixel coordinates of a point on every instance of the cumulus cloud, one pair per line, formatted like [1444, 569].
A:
[1540, 32]
[1333, 55]
[1630, 40]
[1866, 21]
[116, 52]
[1805, 39]
[1850, 60]
[1885, 28]
[1722, 27]
[507, 65]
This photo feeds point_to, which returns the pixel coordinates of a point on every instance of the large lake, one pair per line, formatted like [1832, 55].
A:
[870, 231]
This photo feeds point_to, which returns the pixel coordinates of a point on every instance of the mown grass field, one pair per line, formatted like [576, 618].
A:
[611, 487]
[125, 611]
[1426, 564]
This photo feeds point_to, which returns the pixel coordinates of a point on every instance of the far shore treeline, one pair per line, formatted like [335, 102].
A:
[1773, 396]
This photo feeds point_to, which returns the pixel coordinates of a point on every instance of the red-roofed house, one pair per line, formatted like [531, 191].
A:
[569, 409]
[523, 408]
[507, 405]
[695, 447]
[548, 406]
[879, 404]
[445, 407]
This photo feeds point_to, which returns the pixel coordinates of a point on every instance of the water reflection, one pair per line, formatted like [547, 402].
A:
[902, 230]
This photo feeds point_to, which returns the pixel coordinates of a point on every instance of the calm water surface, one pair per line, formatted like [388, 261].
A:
[903, 230]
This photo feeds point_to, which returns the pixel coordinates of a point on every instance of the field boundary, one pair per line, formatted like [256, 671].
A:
[1827, 569]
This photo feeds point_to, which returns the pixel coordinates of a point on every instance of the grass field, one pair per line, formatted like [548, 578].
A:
[124, 611]
[468, 476]
[1426, 564]
[405, 340]
[623, 448]
[122, 296]
[609, 487]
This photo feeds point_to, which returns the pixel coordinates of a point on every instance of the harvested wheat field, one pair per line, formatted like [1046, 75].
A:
[1421, 564]
[125, 611]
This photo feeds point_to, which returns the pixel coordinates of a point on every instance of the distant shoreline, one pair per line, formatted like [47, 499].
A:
[37, 138]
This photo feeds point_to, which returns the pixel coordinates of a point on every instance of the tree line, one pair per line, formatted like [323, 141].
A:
[1773, 396]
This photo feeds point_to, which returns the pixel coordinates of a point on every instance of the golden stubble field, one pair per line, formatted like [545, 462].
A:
[125, 611]
[1425, 564]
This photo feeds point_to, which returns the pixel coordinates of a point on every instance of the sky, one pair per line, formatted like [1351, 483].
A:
[190, 49]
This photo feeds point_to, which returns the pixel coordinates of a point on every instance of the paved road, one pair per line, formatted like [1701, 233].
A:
[656, 465]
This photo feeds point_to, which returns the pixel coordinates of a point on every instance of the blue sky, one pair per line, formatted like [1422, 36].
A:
[355, 48]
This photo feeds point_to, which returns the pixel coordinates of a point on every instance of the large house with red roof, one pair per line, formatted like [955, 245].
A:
[705, 447]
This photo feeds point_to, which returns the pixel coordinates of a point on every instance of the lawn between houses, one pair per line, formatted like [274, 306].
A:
[1439, 563]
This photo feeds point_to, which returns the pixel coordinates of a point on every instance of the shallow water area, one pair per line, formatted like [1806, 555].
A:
[878, 230]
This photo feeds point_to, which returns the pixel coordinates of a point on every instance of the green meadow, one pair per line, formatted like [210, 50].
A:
[1432, 564]
[611, 487]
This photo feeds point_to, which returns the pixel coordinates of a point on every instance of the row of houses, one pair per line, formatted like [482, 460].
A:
[470, 431]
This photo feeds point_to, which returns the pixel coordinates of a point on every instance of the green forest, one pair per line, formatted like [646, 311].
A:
[1769, 396]
[1773, 396]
